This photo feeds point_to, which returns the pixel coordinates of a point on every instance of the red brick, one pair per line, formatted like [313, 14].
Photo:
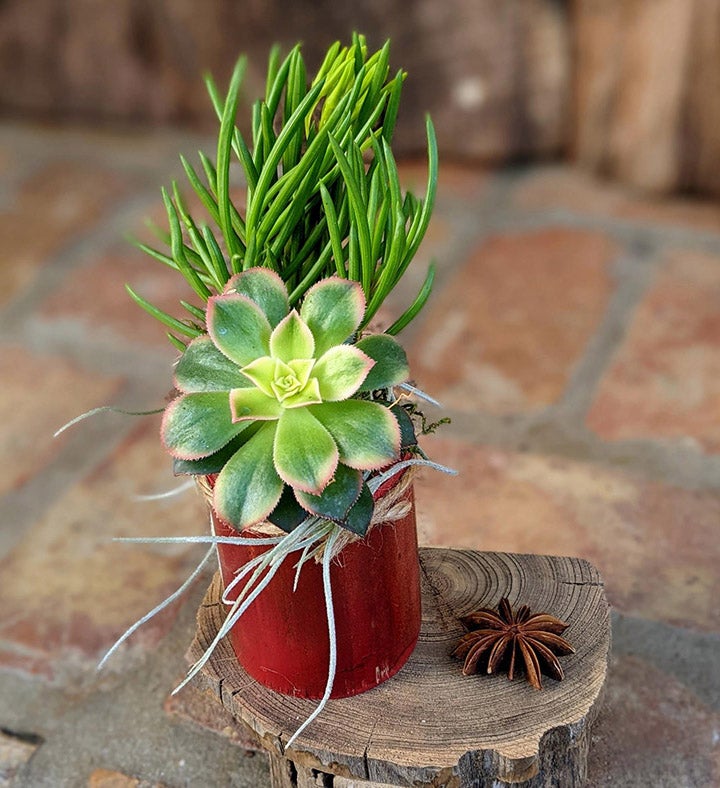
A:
[107, 311]
[652, 730]
[38, 395]
[432, 249]
[664, 382]
[72, 590]
[58, 202]
[106, 778]
[506, 331]
[656, 545]
[454, 181]
[575, 190]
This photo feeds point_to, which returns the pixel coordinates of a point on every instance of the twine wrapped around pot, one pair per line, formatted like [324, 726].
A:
[392, 507]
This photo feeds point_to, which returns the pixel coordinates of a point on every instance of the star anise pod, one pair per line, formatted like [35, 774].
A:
[500, 639]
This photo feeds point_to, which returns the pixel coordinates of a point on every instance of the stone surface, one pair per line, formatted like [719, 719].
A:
[53, 205]
[489, 341]
[555, 187]
[14, 752]
[39, 394]
[664, 381]
[68, 591]
[652, 731]
[202, 709]
[654, 544]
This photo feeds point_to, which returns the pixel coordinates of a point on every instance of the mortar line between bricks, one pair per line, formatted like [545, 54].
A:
[633, 272]
[545, 432]
[671, 237]
[507, 214]
[77, 142]
[74, 253]
[689, 655]
[478, 221]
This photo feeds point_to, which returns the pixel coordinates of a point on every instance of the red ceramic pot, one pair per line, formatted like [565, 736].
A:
[282, 639]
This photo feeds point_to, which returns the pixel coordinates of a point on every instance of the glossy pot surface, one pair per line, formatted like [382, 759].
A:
[282, 639]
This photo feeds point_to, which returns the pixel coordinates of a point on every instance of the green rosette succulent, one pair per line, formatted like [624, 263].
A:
[278, 403]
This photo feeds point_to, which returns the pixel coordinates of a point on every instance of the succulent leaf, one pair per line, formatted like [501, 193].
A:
[288, 513]
[310, 395]
[359, 517]
[202, 367]
[253, 405]
[198, 425]
[238, 327]
[336, 500]
[248, 487]
[408, 438]
[213, 463]
[261, 372]
[366, 433]
[304, 452]
[391, 365]
[333, 309]
[265, 288]
[292, 339]
[341, 371]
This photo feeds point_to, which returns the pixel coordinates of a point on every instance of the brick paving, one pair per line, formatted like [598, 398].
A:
[573, 338]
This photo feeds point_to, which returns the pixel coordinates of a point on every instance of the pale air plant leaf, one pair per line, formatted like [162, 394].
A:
[367, 434]
[292, 339]
[254, 405]
[341, 371]
[333, 310]
[305, 453]
[265, 288]
[391, 364]
[248, 487]
[197, 425]
[202, 367]
[238, 327]
[337, 498]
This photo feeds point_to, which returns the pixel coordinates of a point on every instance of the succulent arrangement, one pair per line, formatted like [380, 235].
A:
[289, 409]
[283, 392]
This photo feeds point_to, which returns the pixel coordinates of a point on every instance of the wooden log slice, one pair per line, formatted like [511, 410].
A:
[430, 725]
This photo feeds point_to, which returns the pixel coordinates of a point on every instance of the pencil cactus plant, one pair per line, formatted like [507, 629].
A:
[283, 393]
